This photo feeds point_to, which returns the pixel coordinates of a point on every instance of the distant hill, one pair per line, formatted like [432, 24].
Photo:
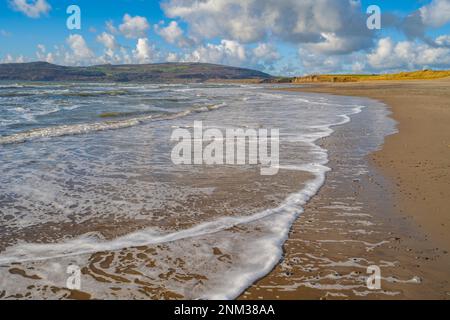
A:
[413, 75]
[162, 72]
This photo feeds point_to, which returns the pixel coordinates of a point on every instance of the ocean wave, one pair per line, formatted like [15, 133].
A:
[285, 214]
[65, 93]
[83, 128]
[93, 242]
[267, 250]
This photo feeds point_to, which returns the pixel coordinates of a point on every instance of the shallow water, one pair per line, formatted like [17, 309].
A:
[87, 169]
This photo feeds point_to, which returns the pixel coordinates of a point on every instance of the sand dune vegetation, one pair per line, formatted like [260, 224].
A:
[414, 75]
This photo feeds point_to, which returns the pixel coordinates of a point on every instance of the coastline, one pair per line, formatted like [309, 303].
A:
[324, 260]
[418, 157]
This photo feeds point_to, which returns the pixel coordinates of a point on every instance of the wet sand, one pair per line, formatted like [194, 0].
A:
[395, 217]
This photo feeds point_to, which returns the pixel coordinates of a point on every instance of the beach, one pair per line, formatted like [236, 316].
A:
[404, 199]
[105, 196]
[225, 151]
[99, 190]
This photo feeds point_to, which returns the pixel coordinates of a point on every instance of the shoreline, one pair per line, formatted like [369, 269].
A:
[207, 264]
[413, 244]
[419, 129]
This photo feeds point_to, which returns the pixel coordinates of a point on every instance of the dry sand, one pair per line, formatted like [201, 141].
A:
[402, 218]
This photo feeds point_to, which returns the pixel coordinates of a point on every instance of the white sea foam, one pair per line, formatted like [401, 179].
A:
[83, 128]
[267, 250]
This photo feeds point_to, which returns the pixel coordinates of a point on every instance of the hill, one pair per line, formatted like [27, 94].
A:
[162, 72]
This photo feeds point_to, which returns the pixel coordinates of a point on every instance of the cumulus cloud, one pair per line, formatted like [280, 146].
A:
[265, 53]
[43, 55]
[32, 9]
[172, 57]
[230, 52]
[8, 58]
[227, 52]
[443, 40]
[173, 34]
[384, 55]
[436, 14]
[80, 52]
[107, 40]
[134, 27]
[77, 52]
[433, 15]
[110, 27]
[144, 52]
[407, 55]
[110, 44]
[316, 63]
[332, 44]
[294, 21]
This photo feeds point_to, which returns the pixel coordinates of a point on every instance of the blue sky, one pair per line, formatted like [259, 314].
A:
[278, 36]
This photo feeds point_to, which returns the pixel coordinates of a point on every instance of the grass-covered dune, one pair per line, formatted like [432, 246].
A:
[415, 75]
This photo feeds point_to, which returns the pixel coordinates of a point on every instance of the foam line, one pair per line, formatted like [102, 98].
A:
[83, 128]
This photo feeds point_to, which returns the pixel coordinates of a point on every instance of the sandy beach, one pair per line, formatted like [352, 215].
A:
[404, 199]
[221, 152]
[221, 228]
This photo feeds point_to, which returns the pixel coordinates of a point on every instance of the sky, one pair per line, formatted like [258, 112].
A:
[281, 37]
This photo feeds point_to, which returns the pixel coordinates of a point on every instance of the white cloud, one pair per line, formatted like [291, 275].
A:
[10, 59]
[382, 55]
[173, 34]
[134, 27]
[291, 20]
[80, 52]
[443, 40]
[77, 52]
[110, 27]
[107, 40]
[265, 53]
[144, 53]
[332, 44]
[433, 15]
[227, 52]
[172, 57]
[408, 55]
[436, 14]
[42, 54]
[32, 9]
[314, 63]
